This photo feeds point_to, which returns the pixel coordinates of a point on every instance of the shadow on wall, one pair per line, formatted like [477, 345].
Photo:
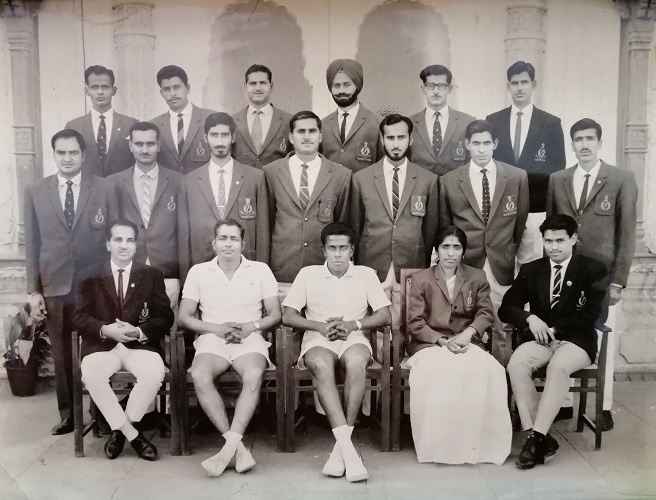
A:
[250, 32]
[396, 41]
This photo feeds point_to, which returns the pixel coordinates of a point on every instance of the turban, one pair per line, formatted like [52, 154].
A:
[351, 68]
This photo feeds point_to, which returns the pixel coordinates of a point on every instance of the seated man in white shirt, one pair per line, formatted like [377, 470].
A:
[230, 292]
[336, 298]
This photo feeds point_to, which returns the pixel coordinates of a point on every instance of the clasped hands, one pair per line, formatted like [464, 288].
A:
[337, 329]
[234, 333]
[543, 334]
[121, 332]
[459, 343]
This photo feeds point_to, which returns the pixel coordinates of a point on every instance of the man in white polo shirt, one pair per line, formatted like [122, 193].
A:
[230, 292]
[337, 297]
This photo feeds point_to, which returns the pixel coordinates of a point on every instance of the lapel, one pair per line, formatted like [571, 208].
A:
[136, 277]
[276, 123]
[357, 123]
[568, 182]
[379, 182]
[324, 177]
[502, 176]
[117, 136]
[128, 181]
[287, 183]
[451, 126]
[465, 185]
[242, 124]
[599, 183]
[164, 125]
[194, 126]
[440, 279]
[533, 127]
[162, 182]
[408, 186]
[53, 191]
[334, 126]
[420, 126]
[544, 284]
[87, 133]
[235, 186]
[503, 130]
[107, 280]
[85, 193]
[202, 176]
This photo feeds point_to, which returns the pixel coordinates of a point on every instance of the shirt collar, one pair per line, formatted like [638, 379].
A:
[115, 268]
[152, 174]
[350, 272]
[351, 112]
[429, 113]
[295, 162]
[526, 112]
[76, 180]
[107, 114]
[594, 171]
[564, 263]
[491, 167]
[214, 168]
[266, 110]
[242, 265]
[389, 168]
[185, 112]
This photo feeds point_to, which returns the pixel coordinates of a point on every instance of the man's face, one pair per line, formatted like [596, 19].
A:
[220, 141]
[586, 145]
[175, 93]
[227, 243]
[68, 157]
[521, 89]
[558, 245]
[306, 136]
[258, 88]
[436, 97]
[396, 140]
[144, 146]
[338, 251]
[481, 147]
[100, 90]
[122, 245]
[343, 89]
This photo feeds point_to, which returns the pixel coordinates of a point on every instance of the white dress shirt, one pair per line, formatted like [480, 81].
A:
[578, 179]
[527, 113]
[295, 170]
[388, 171]
[227, 177]
[186, 120]
[265, 118]
[62, 186]
[476, 179]
[429, 118]
[151, 177]
[352, 113]
[562, 276]
[109, 122]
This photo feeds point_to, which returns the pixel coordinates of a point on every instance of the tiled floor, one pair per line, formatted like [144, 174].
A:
[35, 465]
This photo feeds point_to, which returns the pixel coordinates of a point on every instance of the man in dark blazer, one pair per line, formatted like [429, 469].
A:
[533, 142]
[260, 122]
[439, 138]
[306, 192]
[394, 207]
[104, 130]
[564, 292]
[122, 312]
[350, 134]
[65, 218]
[606, 217]
[493, 221]
[184, 148]
[205, 199]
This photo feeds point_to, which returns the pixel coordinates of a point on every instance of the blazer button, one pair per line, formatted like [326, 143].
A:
[304, 244]
[305, 219]
[455, 307]
[450, 321]
[341, 150]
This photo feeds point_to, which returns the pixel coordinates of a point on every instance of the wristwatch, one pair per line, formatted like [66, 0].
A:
[256, 325]
[358, 324]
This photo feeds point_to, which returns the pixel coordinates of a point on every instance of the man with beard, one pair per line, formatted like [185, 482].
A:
[350, 133]
[222, 189]
[394, 206]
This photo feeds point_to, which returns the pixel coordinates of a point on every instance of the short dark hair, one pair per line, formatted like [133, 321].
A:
[229, 223]
[436, 70]
[585, 124]
[258, 68]
[144, 127]
[98, 70]
[303, 115]
[337, 229]
[556, 222]
[519, 67]
[69, 133]
[120, 222]
[447, 231]
[480, 126]
[171, 71]
[220, 118]
[393, 119]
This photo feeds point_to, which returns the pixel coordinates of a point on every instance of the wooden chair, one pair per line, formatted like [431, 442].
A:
[123, 378]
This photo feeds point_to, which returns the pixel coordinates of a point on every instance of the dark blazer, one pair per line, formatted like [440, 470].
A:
[275, 145]
[408, 241]
[607, 226]
[498, 240]
[119, 157]
[146, 305]
[579, 306]
[53, 253]
[453, 152]
[431, 314]
[198, 214]
[159, 241]
[296, 235]
[195, 151]
[362, 147]
[542, 155]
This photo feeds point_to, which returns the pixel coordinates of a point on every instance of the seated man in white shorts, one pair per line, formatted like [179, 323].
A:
[230, 293]
[336, 298]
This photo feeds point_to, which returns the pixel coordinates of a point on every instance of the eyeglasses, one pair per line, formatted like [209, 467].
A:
[440, 86]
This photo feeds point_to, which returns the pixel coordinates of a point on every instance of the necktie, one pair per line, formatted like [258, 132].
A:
[69, 205]
[557, 285]
[256, 132]
[221, 197]
[486, 197]
[121, 298]
[584, 194]
[304, 191]
[437, 135]
[146, 200]
[395, 192]
[518, 136]
[102, 141]
[342, 130]
[180, 133]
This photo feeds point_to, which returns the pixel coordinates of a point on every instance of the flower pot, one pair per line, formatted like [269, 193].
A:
[22, 379]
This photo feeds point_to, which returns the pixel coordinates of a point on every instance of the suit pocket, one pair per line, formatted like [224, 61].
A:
[200, 151]
[605, 204]
[169, 205]
[458, 151]
[98, 217]
[246, 208]
[326, 209]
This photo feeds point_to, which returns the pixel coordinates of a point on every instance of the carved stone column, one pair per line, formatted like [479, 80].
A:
[134, 42]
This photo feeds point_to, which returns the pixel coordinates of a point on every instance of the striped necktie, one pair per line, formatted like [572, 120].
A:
[146, 200]
[180, 133]
[557, 285]
[304, 191]
[395, 192]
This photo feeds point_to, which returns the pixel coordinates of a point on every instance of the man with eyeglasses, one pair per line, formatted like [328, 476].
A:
[439, 144]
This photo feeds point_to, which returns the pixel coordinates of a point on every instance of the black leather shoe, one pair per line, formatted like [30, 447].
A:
[63, 427]
[144, 449]
[565, 413]
[549, 447]
[607, 423]
[531, 453]
[114, 445]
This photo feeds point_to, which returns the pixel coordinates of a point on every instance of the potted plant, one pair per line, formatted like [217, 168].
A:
[27, 342]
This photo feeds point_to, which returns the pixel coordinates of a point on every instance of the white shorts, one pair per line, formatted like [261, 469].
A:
[208, 343]
[315, 339]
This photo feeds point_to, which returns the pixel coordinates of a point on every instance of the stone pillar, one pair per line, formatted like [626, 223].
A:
[134, 42]
[526, 39]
